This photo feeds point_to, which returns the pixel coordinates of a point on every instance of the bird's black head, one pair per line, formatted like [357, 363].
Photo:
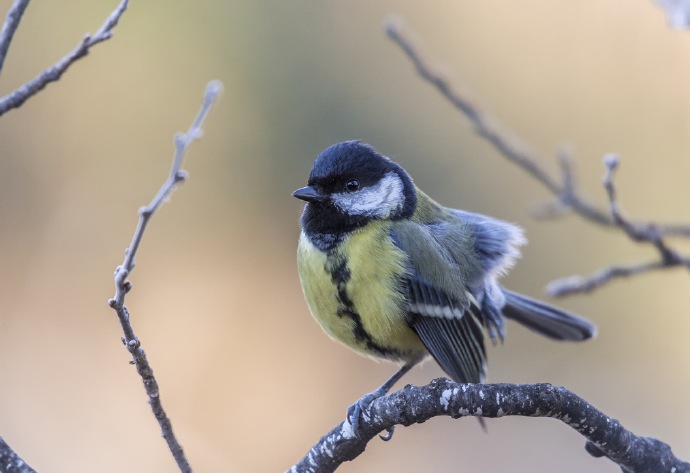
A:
[350, 185]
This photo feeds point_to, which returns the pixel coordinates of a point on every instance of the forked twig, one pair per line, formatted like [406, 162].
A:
[17, 97]
[640, 232]
[565, 189]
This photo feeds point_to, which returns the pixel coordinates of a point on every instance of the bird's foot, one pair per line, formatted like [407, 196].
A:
[357, 411]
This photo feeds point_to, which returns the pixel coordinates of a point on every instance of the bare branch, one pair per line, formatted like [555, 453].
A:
[506, 142]
[442, 397]
[123, 286]
[580, 284]
[29, 89]
[176, 176]
[10, 462]
[637, 232]
[564, 188]
[487, 127]
[14, 16]
[647, 233]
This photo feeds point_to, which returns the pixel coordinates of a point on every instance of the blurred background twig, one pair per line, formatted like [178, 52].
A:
[566, 192]
[122, 285]
[53, 73]
[650, 233]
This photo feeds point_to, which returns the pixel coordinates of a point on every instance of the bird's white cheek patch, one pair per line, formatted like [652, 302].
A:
[380, 200]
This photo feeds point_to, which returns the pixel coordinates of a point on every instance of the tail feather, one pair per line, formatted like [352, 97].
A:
[545, 319]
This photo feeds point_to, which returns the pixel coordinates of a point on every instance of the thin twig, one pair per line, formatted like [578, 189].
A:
[505, 141]
[583, 284]
[10, 462]
[637, 232]
[176, 176]
[123, 286]
[564, 203]
[488, 128]
[14, 16]
[53, 73]
[442, 397]
[565, 189]
[647, 233]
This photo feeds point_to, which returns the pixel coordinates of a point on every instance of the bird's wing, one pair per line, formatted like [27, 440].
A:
[495, 245]
[441, 309]
[494, 241]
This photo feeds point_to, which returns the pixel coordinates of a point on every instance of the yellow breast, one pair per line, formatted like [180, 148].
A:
[355, 292]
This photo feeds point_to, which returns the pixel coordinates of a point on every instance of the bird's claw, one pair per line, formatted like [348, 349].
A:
[389, 435]
[356, 412]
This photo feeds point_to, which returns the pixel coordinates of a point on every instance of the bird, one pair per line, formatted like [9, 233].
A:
[393, 275]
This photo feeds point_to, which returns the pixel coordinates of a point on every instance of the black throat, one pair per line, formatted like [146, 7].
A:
[326, 226]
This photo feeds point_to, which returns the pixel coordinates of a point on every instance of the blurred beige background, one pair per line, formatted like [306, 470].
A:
[246, 375]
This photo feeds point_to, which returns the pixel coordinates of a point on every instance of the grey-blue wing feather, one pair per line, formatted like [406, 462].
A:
[495, 246]
[495, 242]
[545, 319]
[453, 335]
[441, 309]
[454, 294]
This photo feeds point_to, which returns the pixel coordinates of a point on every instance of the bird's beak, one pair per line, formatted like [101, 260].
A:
[309, 194]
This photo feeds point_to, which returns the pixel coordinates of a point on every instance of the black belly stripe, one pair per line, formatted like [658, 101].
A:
[336, 265]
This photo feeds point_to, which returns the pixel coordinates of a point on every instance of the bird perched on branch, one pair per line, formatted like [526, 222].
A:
[392, 274]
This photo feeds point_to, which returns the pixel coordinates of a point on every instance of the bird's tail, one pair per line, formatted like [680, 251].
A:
[545, 319]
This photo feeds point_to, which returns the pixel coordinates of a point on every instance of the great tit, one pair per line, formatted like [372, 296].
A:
[392, 274]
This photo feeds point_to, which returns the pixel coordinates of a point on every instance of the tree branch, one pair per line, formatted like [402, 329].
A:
[16, 98]
[442, 397]
[637, 232]
[123, 286]
[10, 462]
[640, 232]
[564, 188]
[14, 16]
[488, 128]
[582, 284]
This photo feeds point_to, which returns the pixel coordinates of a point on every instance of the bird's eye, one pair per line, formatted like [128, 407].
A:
[352, 185]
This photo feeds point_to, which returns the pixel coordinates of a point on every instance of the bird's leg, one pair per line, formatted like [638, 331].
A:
[356, 410]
